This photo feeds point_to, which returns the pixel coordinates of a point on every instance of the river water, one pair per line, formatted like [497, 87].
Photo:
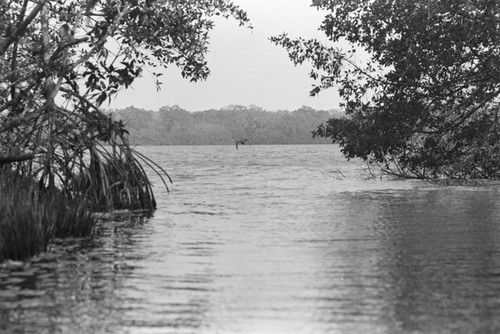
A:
[272, 239]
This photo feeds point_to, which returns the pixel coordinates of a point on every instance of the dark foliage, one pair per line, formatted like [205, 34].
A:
[426, 102]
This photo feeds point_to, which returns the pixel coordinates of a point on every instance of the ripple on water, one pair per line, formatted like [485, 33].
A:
[274, 239]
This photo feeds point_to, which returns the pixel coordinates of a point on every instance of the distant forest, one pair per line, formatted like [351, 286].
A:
[173, 125]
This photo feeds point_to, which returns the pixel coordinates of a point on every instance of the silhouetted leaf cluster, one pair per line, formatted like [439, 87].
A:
[426, 101]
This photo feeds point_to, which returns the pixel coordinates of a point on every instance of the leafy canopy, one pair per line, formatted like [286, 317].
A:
[61, 59]
[426, 101]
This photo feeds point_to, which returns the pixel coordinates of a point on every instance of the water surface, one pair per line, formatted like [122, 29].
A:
[272, 239]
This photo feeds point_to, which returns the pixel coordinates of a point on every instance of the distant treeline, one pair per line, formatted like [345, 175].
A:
[173, 125]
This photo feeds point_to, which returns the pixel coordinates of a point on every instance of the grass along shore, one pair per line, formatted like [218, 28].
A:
[32, 214]
[30, 218]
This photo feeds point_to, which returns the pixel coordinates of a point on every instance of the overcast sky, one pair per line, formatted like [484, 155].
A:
[246, 68]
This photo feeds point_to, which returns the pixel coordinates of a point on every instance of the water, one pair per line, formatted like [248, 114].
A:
[272, 239]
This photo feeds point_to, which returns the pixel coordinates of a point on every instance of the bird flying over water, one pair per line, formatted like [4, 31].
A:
[243, 142]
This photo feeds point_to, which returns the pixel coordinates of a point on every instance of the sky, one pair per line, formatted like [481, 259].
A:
[246, 68]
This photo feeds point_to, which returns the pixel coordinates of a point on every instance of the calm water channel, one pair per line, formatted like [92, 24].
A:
[272, 239]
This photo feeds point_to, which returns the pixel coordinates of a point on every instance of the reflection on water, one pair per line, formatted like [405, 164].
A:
[72, 288]
[272, 239]
[428, 260]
